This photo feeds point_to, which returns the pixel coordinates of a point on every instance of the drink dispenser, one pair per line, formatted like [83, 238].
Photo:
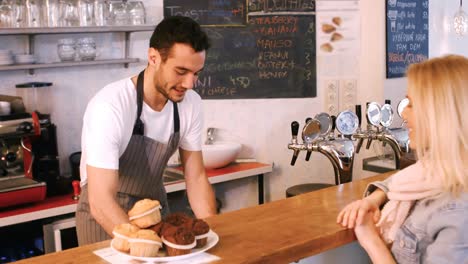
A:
[36, 96]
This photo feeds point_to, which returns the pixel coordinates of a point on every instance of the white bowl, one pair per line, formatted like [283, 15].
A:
[25, 58]
[220, 154]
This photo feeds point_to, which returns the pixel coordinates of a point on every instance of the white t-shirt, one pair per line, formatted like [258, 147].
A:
[110, 116]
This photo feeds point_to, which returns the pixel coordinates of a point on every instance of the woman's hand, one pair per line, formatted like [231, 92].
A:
[353, 214]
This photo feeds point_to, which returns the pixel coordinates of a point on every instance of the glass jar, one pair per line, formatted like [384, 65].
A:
[66, 49]
[86, 49]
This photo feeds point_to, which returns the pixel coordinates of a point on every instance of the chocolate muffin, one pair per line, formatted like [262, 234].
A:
[200, 229]
[178, 240]
[179, 219]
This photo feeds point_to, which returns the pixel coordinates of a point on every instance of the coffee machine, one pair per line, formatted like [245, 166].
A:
[29, 165]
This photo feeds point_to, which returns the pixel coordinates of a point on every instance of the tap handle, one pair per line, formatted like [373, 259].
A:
[333, 122]
[369, 142]
[309, 152]
[294, 128]
[367, 116]
[359, 145]
[388, 101]
[359, 113]
[294, 157]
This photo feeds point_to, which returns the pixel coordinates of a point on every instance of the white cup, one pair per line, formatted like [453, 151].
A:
[5, 108]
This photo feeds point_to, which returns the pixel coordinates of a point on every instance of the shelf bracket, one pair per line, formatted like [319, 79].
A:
[127, 47]
[31, 50]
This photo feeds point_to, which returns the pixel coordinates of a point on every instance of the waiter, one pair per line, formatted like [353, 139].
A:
[133, 126]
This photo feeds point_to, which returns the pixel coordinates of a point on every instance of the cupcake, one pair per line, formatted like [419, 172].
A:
[121, 234]
[178, 240]
[145, 243]
[179, 219]
[145, 213]
[200, 229]
[157, 228]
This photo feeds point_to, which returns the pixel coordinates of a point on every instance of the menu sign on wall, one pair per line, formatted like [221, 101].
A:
[407, 34]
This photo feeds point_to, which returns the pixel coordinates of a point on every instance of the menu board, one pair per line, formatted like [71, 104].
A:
[407, 34]
[272, 56]
[208, 12]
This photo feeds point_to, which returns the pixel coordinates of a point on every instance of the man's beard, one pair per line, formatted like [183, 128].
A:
[165, 93]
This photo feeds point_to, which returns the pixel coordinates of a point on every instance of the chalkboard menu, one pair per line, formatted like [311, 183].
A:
[273, 57]
[209, 12]
[407, 34]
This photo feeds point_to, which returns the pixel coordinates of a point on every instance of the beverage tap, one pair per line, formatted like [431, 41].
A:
[309, 152]
[294, 144]
[309, 133]
[359, 135]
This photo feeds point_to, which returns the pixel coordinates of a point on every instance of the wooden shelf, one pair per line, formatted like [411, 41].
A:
[67, 64]
[74, 30]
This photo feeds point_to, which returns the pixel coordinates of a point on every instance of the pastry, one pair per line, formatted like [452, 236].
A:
[179, 219]
[200, 229]
[327, 47]
[121, 234]
[337, 21]
[145, 243]
[157, 228]
[327, 28]
[145, 213]
[336, 36]
[178, 240]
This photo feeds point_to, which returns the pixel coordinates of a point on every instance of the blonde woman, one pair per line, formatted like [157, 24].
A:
[425, 217]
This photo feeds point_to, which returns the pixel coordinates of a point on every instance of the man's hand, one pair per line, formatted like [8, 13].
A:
[199, 190]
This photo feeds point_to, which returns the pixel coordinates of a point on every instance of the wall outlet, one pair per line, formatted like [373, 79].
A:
[348, 90]
[332, 97]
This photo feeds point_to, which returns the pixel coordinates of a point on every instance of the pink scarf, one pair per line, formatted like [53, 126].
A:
[405, 188]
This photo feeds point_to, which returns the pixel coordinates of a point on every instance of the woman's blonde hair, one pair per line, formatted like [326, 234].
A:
[439, 89]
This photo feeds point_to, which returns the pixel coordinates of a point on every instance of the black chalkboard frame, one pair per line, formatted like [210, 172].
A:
[387, 36]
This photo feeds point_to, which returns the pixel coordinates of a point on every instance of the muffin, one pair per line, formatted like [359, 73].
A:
[145, 213]
[179, 219]
[200, 229]
[145, 243]
[121, 234]
[157, 228]
[178, 240]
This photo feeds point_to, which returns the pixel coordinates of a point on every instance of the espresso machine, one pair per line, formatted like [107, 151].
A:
[29, 166]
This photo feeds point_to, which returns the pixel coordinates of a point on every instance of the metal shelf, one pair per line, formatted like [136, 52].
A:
[67, 64]
[32, 32]
[73, 30]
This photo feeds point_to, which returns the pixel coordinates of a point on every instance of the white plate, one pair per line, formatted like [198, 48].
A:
[211, 242]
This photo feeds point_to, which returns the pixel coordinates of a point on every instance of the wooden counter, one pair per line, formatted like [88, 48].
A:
[278, 232]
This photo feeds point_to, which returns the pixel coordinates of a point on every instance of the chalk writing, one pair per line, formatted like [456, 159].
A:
[209, 12]
[407, 31]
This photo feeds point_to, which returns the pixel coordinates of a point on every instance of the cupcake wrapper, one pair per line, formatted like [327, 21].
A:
[146, 213]
[136, 240]
[190, 246]
[203, 235]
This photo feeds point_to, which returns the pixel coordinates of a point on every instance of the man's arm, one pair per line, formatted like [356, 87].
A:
[199, 190]
[102, 189]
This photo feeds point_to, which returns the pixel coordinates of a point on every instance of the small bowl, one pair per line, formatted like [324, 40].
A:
[25, 59]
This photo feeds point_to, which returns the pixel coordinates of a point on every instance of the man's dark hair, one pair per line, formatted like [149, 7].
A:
[178, 29]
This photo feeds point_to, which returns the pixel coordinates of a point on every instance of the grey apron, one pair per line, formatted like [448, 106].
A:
[141, 170]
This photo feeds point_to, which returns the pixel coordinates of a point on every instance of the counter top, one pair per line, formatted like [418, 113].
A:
[277, 232]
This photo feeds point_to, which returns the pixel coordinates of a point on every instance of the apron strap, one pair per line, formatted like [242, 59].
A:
[139, 127]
